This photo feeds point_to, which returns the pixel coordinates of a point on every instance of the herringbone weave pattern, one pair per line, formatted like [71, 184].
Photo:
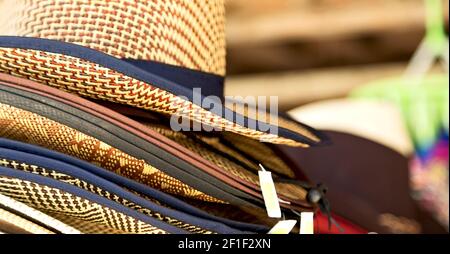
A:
[98, 191]
[53, 200]
[32, 128]
[187, 33]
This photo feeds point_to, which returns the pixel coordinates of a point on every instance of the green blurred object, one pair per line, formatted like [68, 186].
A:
[434, 46]
[435, 31]
[422, 99]
[424, 106]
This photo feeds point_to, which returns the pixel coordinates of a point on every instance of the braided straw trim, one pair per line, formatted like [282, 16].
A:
[230, 167]
[55, 200]
[253, 112]
[187, 33]
[98, 191]
[227, 165]
[259, 152]
[236, 155]
[37, 215]
[88, 79]
[87, 227]
[32, 128]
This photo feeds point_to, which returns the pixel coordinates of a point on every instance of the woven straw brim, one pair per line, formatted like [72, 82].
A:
[232, 165]
[36, 215]
[93, 80]
[101, 192]
[25, 126]
[54, 201]
[29, 127]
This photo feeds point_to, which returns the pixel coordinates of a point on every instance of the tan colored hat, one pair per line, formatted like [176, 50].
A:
[377, 121]
[145, 54]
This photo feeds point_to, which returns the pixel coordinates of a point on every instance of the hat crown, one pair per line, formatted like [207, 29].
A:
[186, 33]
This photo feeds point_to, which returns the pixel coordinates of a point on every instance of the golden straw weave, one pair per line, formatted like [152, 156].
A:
[241, 147]
[187, 33]
[55, 201]
[98, 191]
[32, 128]
[91, 80]
[87, 227]
[229, 165]
[37, 215]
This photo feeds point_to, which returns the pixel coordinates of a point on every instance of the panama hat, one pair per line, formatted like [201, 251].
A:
[80, 177]
[214, 169]
[144, 54]
[45, 194]
[378, 121]
[14, 150]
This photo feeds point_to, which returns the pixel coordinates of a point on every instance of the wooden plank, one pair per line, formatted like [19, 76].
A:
[297, 88]
[256, 22]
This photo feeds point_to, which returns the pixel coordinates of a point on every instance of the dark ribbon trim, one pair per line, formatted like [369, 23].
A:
[177, 88]
[71, 189]
[128, 183]
[209, 83]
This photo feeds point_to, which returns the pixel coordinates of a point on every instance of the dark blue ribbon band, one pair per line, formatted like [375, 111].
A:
[209, 83]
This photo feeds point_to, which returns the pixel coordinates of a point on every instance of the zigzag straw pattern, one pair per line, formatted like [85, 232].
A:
[53, 200]
[32, 128]
[187, 33]
[92, 80]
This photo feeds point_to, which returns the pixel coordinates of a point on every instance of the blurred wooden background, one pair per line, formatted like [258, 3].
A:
[308, 50]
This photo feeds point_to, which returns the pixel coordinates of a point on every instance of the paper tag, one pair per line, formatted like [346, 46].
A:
[269, 193]
[283, 227]
[307, 223]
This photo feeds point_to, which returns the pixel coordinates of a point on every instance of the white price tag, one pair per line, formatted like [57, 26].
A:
[283, 227]
[307, 223]
[269, 193]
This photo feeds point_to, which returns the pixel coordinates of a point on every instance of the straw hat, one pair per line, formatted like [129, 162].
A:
[377, 121]
[145, 54]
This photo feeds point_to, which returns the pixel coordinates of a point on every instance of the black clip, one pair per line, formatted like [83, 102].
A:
[317, 196]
